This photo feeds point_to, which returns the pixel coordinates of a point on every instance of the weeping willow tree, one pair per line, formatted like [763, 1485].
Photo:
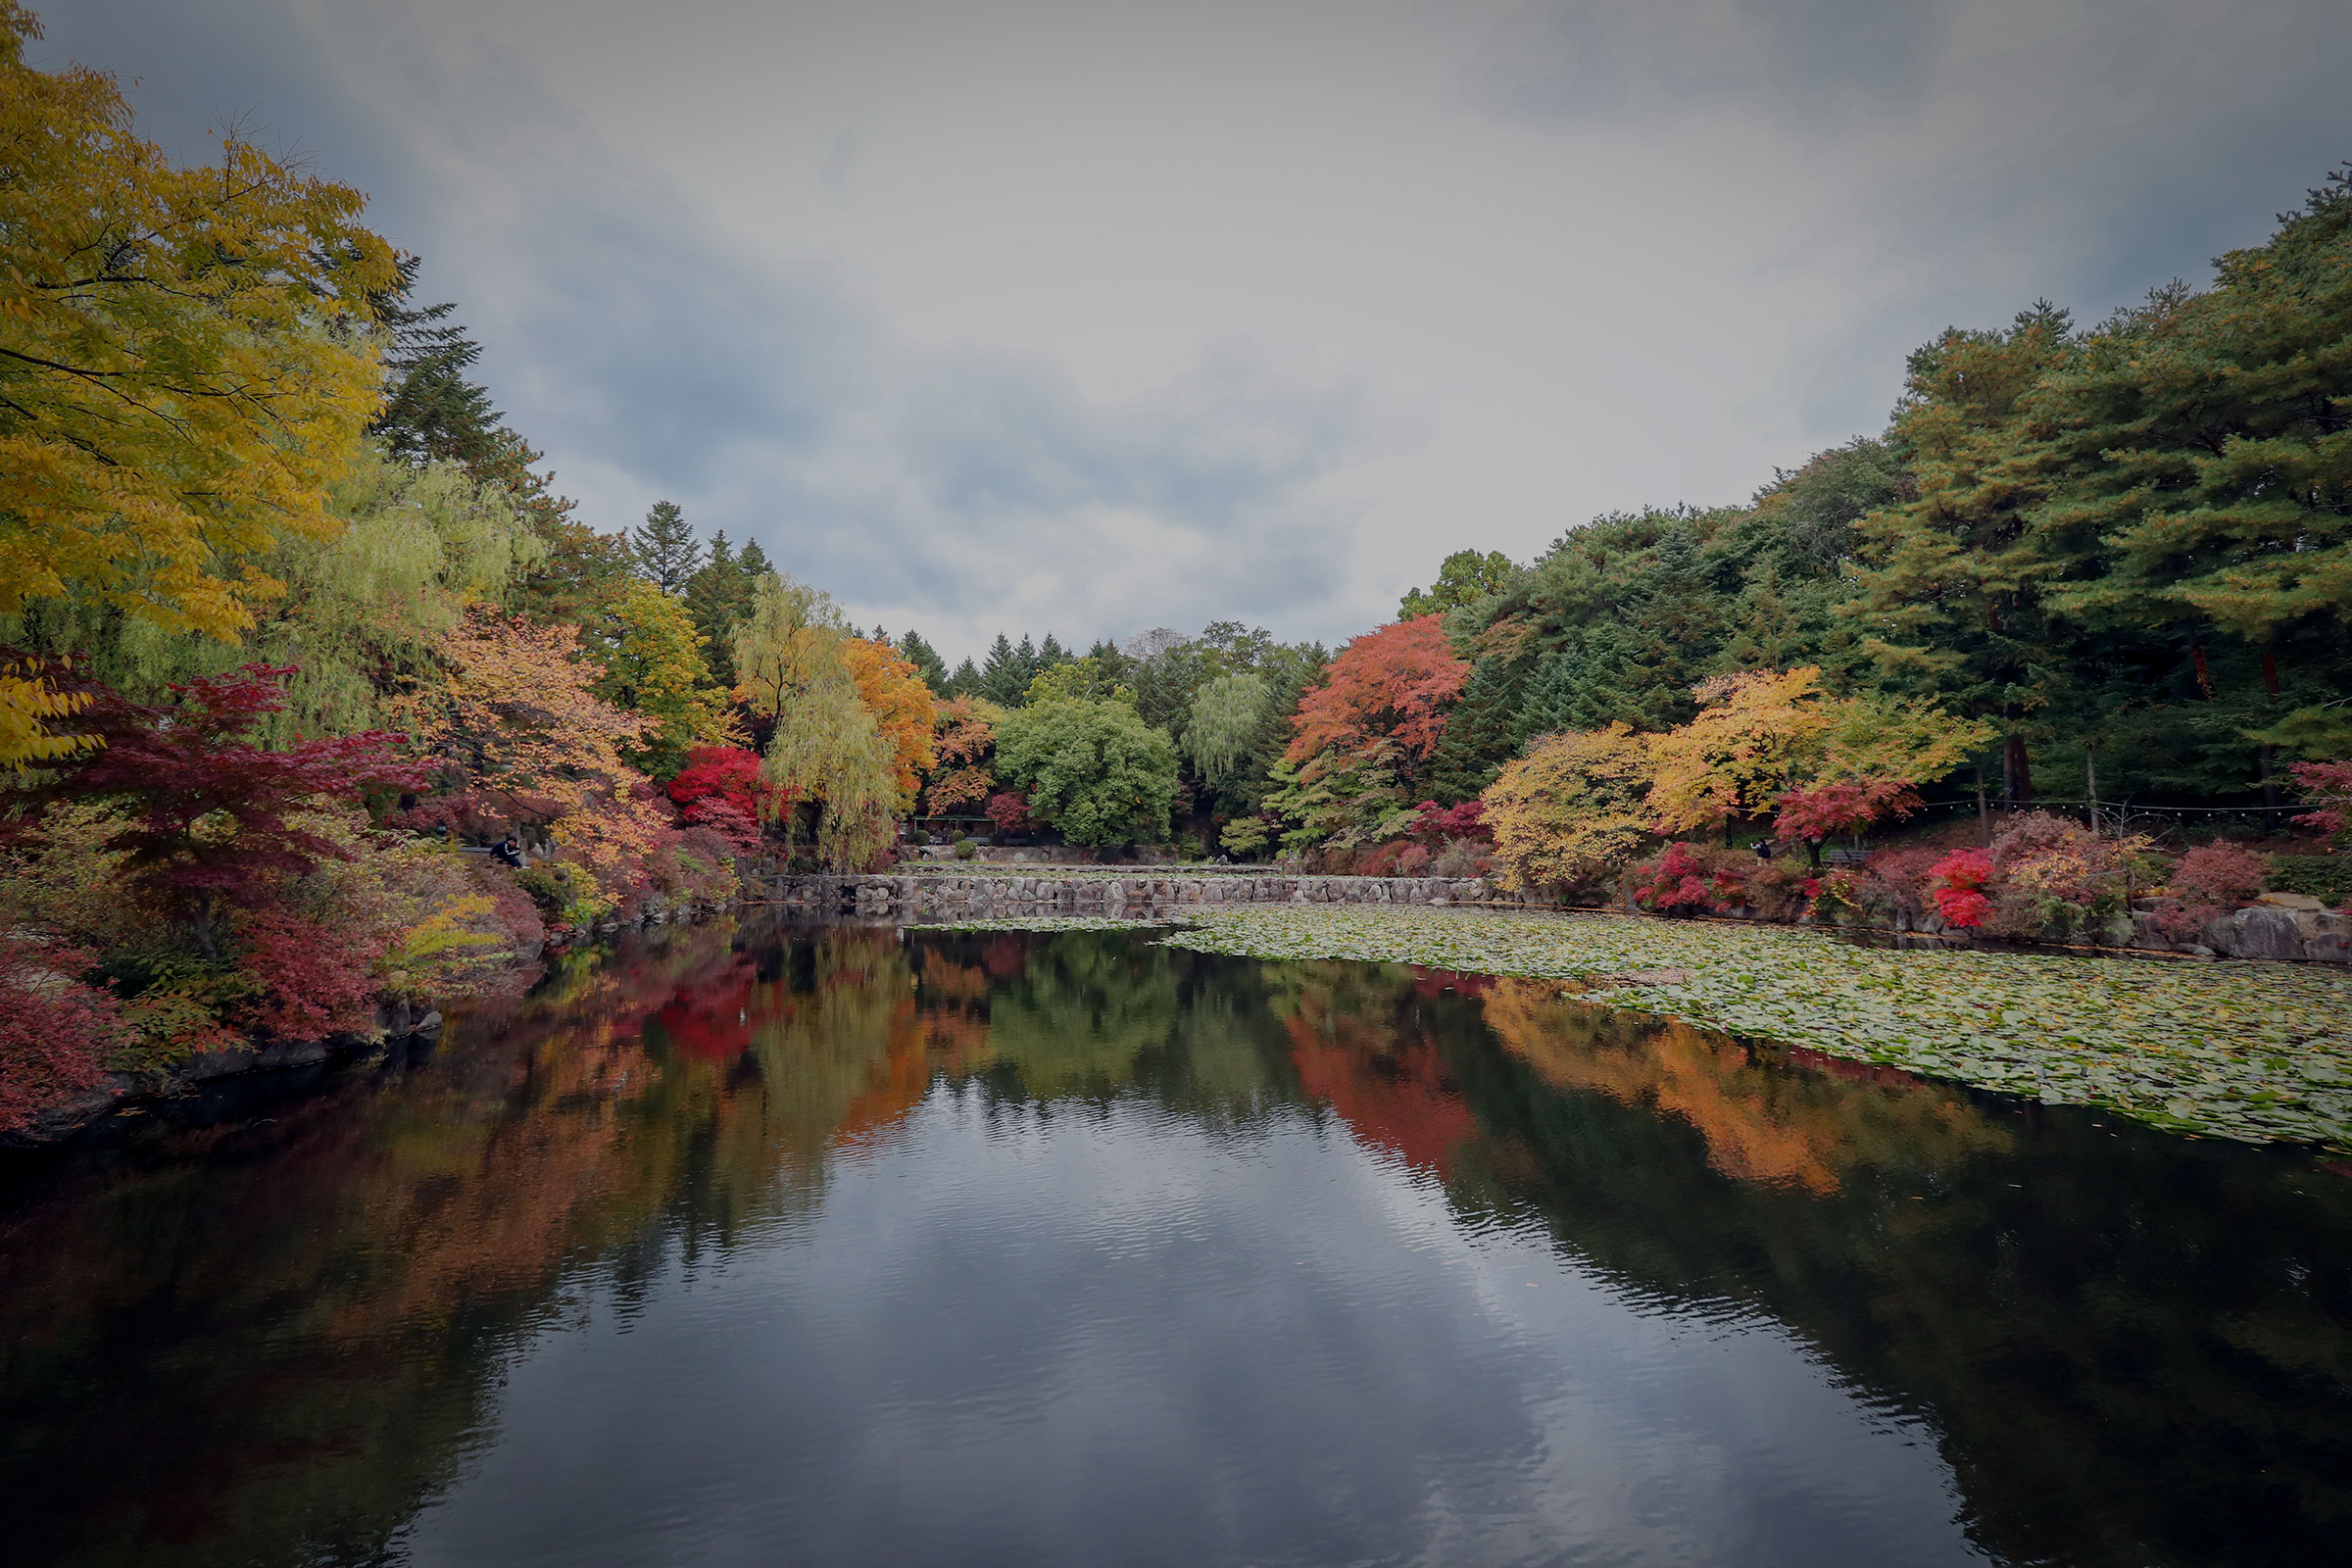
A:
[1226, 717]
[358, 614]
[827, 750]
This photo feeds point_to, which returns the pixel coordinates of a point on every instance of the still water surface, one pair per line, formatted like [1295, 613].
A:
[766, 1244]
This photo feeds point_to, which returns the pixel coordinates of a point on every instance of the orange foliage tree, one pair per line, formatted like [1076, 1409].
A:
[894, 691]
[1392, 686]
[1362, 737]
[964, 739]
[513, 715]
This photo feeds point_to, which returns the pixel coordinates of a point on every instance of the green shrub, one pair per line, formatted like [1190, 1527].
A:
[2324, 877]
[965, 847]
[1246, 836]
[550, 887]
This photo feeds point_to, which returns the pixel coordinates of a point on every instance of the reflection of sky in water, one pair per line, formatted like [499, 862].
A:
[1112, 1335]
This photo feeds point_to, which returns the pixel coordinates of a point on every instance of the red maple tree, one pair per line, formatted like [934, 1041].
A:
[1816, 812]
[211, 806]
[1388, 689]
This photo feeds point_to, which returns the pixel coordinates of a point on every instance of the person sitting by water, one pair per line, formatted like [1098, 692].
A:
[507, 852]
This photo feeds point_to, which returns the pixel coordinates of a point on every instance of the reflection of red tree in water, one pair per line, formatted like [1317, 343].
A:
[1430, 982]
[712, 1019]
[1005, 959]
[1399, 1100]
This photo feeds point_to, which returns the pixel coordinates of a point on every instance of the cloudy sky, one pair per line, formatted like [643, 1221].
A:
[1095, 316]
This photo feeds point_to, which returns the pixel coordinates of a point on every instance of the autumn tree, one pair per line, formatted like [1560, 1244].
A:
[212, 813]
[895, 693]
[1756, 734]
[963, 744]
[1572, 808]
[1390, 687]
[181, 377]
[1361, 738]
[513, 719]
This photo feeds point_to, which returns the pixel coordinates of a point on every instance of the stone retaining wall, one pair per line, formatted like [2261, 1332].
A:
[2290, 929]
[1132, 897]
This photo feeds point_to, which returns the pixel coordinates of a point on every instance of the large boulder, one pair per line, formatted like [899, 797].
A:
[2262, 932]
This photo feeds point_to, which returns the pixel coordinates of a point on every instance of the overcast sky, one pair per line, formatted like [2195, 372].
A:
[1096, 317]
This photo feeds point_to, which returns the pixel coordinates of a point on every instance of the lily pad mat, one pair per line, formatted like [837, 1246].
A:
[2258, 1052]
[1040, 922]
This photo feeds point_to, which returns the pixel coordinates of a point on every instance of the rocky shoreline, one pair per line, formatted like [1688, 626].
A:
[397, 1022]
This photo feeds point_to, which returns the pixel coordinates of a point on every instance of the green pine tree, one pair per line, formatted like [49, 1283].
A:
[665, 549]
[925, 658]
[1006, 675]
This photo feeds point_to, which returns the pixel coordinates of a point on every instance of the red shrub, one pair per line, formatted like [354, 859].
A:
[1439, 823]
[2219, 874]
[1960, 879]
[2208, 882]
[1413, 860]
[1683, 879]
[1907, 877]
[313, 982]
[720, 818]
[2328, 786]
[195, 760]
[54, 1031]
[718, 774]
[1824, 810]
[1009, 811]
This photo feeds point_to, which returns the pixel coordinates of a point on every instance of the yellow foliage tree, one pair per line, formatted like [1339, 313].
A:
[792, 663]
[178, 379]
[1571, 808]
[1756, 734]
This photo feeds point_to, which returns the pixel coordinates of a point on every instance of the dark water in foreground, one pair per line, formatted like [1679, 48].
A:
[761, 1247]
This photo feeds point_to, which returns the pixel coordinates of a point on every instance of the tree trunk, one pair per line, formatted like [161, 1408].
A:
[2269, 754]
[2017, 776]
[206, 943]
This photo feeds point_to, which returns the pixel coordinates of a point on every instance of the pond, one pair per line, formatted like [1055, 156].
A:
[844, 1245]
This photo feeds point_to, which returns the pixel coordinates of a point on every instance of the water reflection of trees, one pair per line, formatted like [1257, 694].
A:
[279, 1337]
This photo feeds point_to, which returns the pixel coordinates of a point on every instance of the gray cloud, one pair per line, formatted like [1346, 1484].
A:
[1102, 318]
[1581, 60]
